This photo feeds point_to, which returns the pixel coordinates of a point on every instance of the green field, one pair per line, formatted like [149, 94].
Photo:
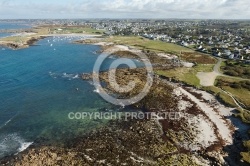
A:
[146, 44]
[78, 29]
[204, 67]
[239, 89]
[187, 75]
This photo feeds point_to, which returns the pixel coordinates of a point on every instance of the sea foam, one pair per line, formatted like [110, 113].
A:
[12, 144]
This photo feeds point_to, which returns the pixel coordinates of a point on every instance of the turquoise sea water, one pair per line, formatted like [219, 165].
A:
[38, 90]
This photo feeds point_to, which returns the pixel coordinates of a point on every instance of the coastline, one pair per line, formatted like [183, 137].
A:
[188, 102]
[135, 132]
[225, 124]
[31, 40]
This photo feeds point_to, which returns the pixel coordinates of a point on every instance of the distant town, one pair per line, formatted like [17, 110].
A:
[223, 38]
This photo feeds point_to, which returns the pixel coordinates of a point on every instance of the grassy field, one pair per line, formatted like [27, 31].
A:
[146, 44]
[187, 75]
[220, 95]
[160, 46]
[239, 89]
[204, 68]
[84, 30]
[242, 94]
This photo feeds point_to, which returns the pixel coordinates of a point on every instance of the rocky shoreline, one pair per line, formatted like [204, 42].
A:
[15, 46]
[136, 141]
[201, 136]
[32, 40]
[223, 132]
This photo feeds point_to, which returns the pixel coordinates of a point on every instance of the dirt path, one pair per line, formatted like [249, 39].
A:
[208, 78]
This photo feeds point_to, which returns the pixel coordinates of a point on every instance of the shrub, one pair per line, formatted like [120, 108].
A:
[231, 73]
[246, 116]
[239, 70]
[236, 86]
[247, 144]
[245, 84]
[245, 156]
[247, 72]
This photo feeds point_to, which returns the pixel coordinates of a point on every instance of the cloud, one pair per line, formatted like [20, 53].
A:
[4, 2]
[219, 9]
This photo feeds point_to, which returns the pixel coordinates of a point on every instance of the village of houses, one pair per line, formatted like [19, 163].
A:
[226, 39]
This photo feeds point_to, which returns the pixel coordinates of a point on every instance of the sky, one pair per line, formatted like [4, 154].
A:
[80, 9]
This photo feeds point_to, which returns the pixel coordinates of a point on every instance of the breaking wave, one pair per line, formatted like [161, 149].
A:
[12, 144]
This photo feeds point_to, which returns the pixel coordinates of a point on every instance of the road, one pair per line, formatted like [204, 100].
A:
[217, 66]
[217, 71]
[208, 78]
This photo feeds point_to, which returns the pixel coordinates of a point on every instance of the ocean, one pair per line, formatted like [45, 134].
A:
[40, 86]
[12, 25]
[5, 34]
